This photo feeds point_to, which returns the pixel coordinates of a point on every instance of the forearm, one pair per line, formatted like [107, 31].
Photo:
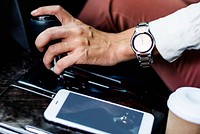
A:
[177, 32]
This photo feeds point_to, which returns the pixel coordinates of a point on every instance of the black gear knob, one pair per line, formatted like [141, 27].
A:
[37, 25]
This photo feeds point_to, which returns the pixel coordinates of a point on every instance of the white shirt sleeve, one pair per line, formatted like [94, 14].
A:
[177, 32]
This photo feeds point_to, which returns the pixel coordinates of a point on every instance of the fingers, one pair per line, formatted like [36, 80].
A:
[63, 16]
[53, 33]
[65, 33]
[62, 48]
[77, 46]
[82, 44]
[65, 62]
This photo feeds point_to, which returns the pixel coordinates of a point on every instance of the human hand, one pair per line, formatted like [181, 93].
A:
[81, 43]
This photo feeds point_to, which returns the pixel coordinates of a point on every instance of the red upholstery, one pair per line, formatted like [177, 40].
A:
[119, 15]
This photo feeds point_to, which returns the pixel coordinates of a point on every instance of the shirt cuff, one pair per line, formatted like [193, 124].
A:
[177, 32]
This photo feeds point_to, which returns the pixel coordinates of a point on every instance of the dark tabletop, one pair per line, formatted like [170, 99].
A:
[20, 107]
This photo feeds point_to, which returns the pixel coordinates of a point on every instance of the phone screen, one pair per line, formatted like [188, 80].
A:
[100, 115]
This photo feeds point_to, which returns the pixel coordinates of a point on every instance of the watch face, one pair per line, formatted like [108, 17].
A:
[142, 42]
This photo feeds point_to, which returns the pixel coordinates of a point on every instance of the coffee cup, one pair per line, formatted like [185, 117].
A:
[184, 111]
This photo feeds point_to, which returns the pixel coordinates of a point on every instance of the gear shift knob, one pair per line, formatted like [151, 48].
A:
[37, 25]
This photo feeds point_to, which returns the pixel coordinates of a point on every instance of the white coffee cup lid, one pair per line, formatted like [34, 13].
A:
[185, 103]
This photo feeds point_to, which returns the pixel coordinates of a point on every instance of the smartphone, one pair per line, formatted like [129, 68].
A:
[95, 115]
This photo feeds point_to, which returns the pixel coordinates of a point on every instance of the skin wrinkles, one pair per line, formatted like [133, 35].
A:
[81, 43]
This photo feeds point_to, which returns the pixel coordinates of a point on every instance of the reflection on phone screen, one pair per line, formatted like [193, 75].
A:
[100, 115]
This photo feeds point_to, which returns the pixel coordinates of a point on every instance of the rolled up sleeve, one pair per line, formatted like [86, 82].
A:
[177, 32]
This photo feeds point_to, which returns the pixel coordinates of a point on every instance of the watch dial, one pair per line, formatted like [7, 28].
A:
[142, 42]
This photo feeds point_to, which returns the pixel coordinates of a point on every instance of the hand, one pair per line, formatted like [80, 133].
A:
[81, 43]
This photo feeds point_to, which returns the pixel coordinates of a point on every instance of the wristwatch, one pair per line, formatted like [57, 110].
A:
[142, 43]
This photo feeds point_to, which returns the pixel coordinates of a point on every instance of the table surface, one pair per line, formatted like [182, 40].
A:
[20, 107]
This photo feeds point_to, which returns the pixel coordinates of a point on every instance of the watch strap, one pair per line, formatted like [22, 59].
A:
[145, 60]
[142, 27]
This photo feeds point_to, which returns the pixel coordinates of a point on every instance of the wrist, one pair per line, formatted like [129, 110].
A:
[121, 44]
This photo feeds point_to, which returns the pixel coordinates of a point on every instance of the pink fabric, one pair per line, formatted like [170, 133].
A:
[183, 72]
[119, 15]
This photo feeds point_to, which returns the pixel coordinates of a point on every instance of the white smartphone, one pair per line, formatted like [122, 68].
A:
[94, 115]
